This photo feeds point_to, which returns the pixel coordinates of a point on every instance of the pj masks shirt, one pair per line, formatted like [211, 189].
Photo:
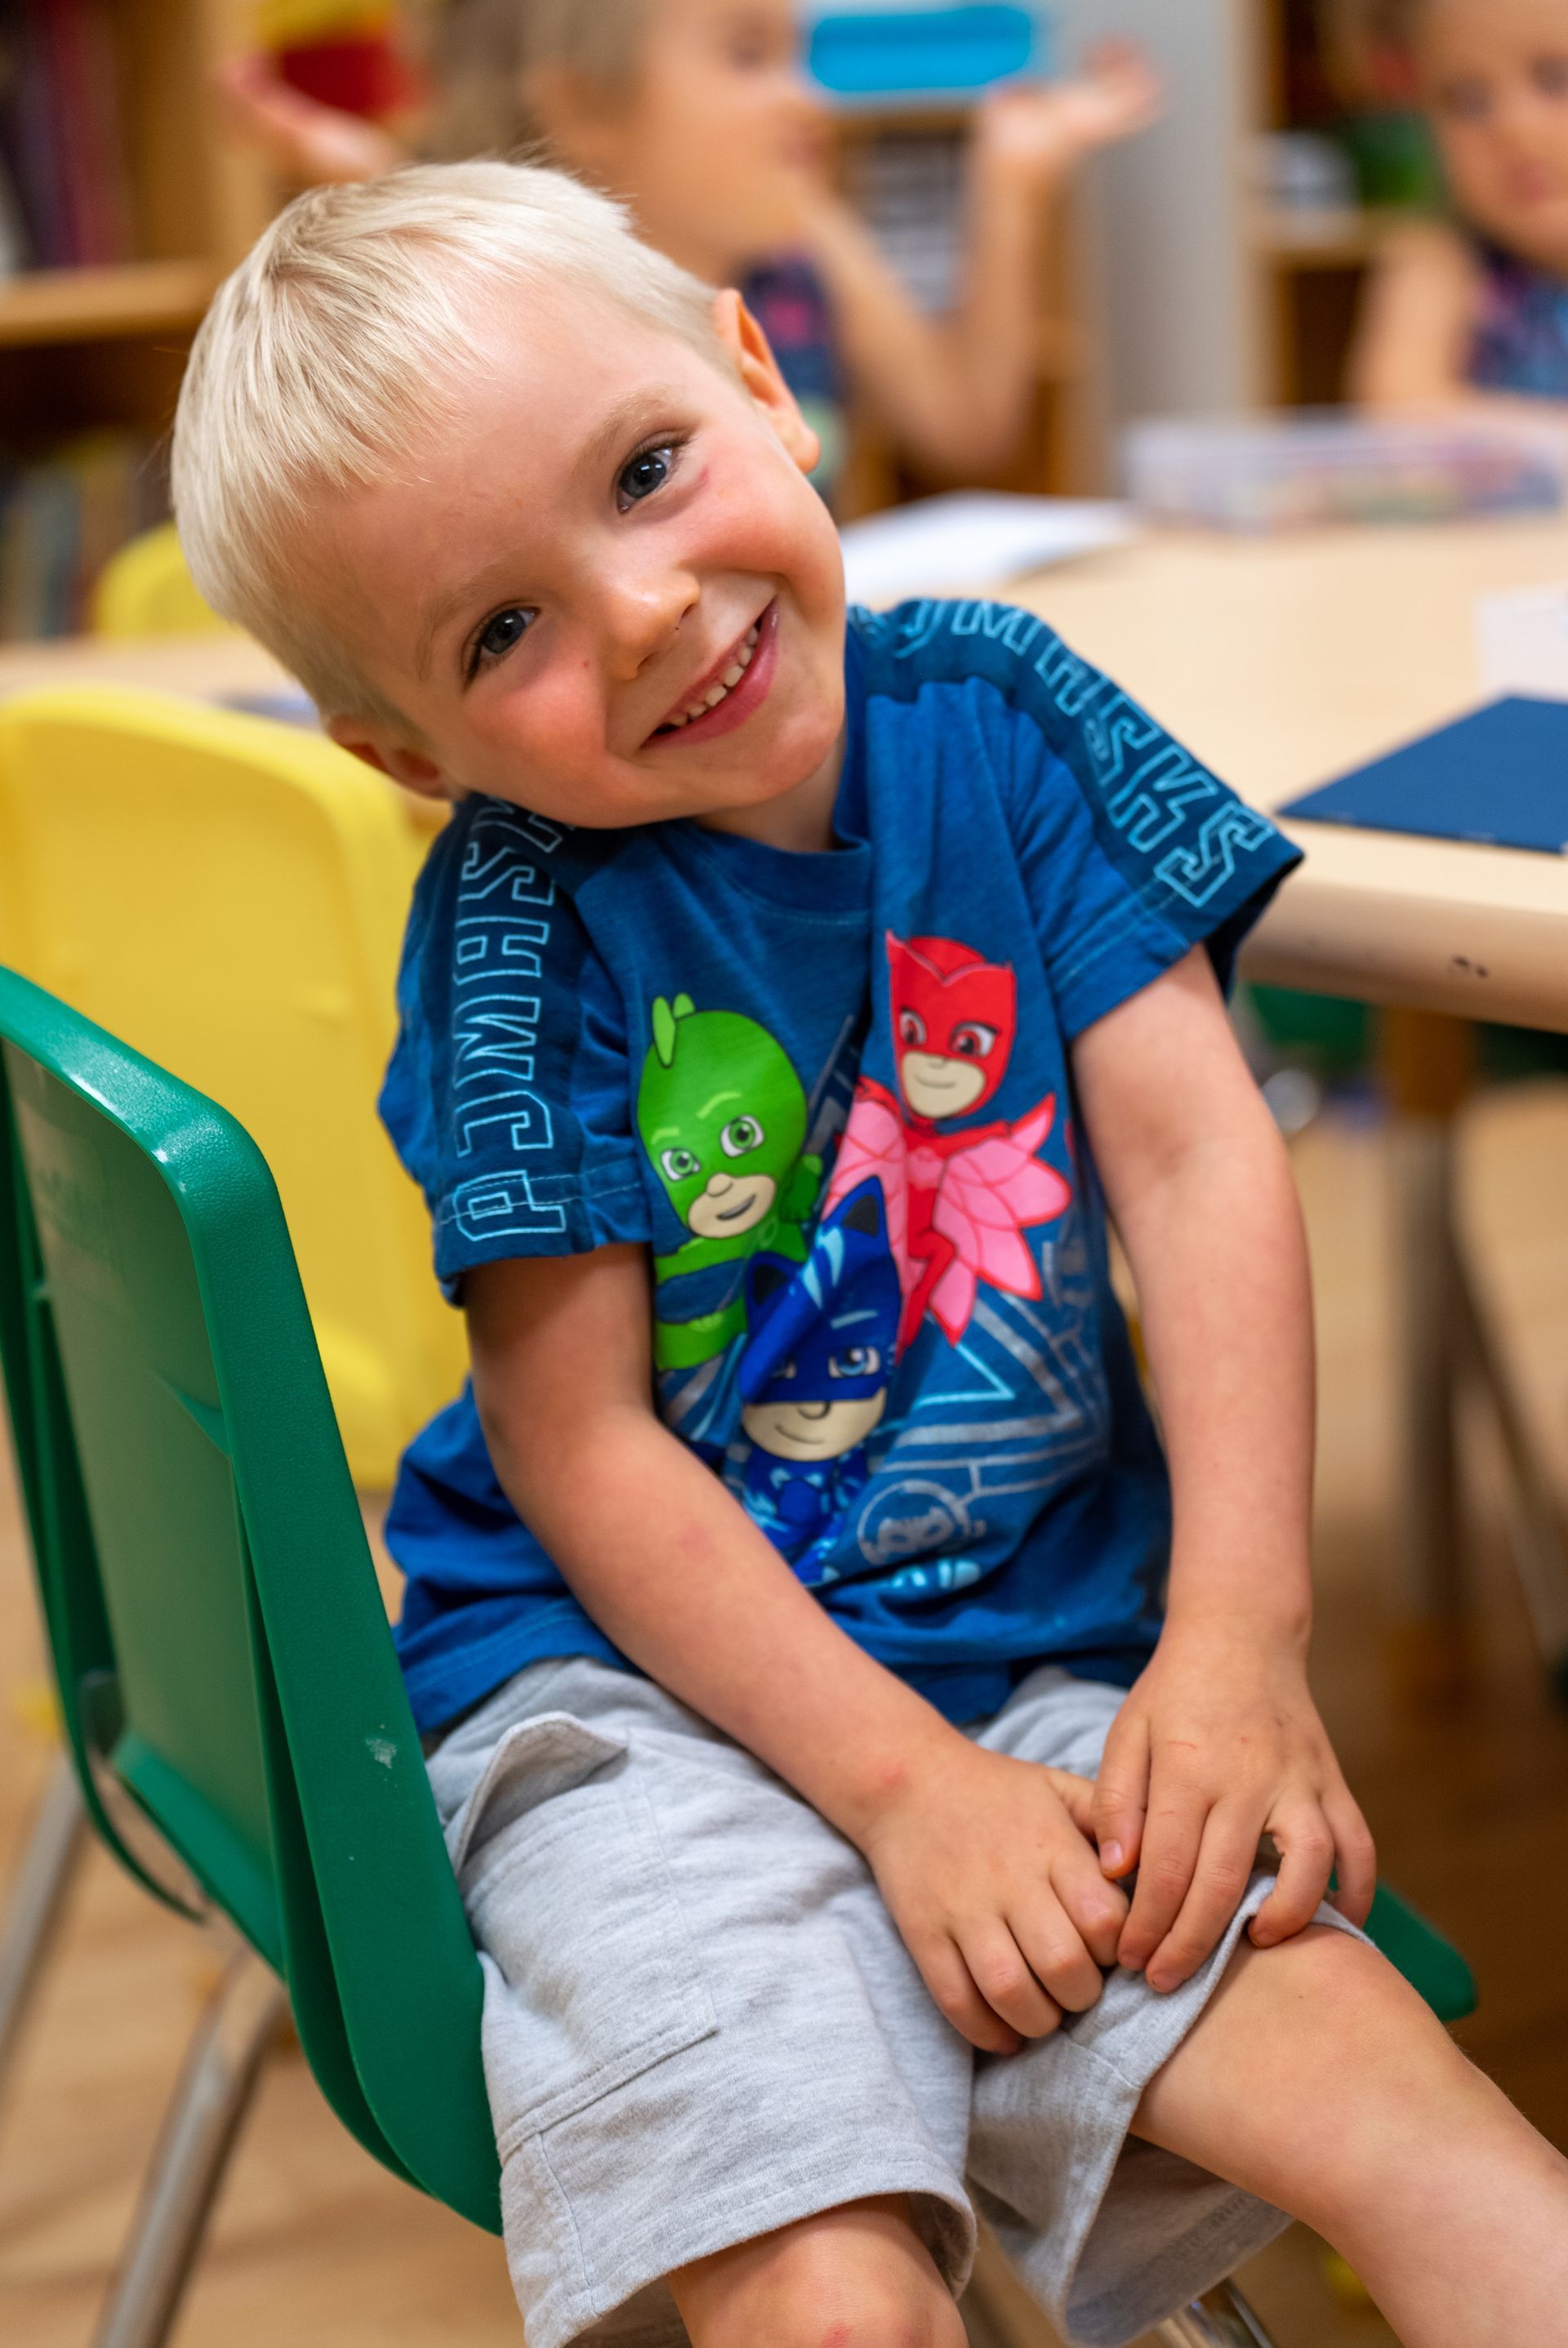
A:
[831, 1094]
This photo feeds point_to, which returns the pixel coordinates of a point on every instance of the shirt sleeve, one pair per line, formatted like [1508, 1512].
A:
[1130, 852]
[508, 1096]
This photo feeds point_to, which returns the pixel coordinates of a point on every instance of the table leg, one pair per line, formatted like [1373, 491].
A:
[1428, 1063]
[1445, 1341]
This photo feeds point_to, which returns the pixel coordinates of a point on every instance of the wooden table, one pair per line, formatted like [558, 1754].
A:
[1284, 662]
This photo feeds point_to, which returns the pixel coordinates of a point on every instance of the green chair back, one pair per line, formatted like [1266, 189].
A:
[224, 1665]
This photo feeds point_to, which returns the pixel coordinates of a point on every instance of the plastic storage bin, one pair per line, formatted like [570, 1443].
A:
[1283, 472]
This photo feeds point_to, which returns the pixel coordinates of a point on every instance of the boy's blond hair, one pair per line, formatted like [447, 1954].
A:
[341, 340]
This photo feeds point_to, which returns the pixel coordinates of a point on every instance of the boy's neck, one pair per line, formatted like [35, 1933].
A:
[800, 820]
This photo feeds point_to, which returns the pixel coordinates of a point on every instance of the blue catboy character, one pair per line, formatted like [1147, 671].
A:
[814, 1374]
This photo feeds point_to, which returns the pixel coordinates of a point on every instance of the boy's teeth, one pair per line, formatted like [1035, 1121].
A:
[727, 683]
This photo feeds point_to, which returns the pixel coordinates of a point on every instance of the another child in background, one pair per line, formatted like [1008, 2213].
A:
[1475, 311]
[779, 997]
[694, 112]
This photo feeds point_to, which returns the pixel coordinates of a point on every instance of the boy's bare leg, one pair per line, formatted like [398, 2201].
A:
[1317, 2079]
[857, 2277]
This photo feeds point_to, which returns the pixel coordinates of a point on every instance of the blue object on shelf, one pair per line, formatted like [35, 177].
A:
[888, 54]
[1497, 778]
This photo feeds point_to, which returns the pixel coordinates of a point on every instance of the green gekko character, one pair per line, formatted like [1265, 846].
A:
[723, 1118]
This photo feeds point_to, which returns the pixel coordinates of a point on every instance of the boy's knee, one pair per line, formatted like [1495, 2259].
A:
[858, 2278]
[826, 2303]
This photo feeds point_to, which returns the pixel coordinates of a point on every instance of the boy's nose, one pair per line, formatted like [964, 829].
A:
[644, 615]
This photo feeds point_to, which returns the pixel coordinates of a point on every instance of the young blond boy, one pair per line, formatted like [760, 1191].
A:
[781, 1020]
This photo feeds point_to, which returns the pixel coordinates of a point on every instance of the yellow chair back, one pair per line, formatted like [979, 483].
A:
[228, 895]
[146, 590]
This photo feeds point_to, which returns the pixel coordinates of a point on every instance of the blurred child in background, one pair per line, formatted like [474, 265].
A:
[1475, 311]
[694, 112]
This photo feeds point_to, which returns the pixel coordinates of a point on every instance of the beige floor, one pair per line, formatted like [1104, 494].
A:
[313, 2245]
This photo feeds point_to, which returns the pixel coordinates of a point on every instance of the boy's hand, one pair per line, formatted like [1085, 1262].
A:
[1219, 1744]
[987, 1867]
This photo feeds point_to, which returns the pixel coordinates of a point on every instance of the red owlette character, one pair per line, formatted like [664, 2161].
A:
[957, 1203]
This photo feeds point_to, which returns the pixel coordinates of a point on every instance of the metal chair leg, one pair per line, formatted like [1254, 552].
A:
[36, 1899]
[203, 2119]
[1220, 2319]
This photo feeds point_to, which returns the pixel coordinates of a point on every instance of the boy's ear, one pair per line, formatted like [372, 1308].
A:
[363, 738]
[750, 349]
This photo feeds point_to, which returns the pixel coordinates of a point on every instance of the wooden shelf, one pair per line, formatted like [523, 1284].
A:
[1320, 240]
[84, 305]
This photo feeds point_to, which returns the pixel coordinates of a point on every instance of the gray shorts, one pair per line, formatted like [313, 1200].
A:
[700, 2024]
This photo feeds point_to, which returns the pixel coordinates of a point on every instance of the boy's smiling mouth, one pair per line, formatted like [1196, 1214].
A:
[735, 686]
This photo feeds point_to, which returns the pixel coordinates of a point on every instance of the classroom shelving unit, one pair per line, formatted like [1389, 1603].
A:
[1310, 265]
[104, 346]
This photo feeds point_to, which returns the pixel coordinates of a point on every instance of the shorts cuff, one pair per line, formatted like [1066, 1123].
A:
[592, 2222]
[1122, 2234]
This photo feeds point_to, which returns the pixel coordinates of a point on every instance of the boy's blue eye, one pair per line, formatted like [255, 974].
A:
[649, 469]
[1550, 74]
[500, 634]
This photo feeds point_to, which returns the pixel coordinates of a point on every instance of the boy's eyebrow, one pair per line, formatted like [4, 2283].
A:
[606, 441]
[436, 617]
[648, 401]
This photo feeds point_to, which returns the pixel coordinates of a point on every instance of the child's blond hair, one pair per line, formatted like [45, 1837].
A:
[340, 342]
[479, 54]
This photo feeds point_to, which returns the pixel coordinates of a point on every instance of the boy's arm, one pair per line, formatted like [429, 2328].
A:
[1220, 1742]
[957, 391]
[998, 1893]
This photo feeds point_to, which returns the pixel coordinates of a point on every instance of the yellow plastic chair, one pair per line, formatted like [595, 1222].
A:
[228, 895]
[146, 590]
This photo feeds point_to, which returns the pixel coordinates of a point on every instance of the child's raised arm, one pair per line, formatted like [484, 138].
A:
[956, 391]
[982, 1859]
[1417, 317]
[1220, 1742]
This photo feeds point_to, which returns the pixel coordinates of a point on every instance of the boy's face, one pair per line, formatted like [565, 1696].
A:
[606, 592]
[1495, 74]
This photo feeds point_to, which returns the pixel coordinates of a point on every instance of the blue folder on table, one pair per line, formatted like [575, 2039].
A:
[1498, 778]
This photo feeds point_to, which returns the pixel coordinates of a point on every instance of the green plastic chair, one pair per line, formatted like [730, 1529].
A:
[230, 1696]
[235, 1718]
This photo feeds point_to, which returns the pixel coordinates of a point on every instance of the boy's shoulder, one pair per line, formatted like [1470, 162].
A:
[493, 852]
[939, 640]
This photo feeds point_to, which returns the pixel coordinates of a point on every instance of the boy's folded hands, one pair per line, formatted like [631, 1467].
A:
[1218, 1746]
[988, 1869]
[1001, 1875]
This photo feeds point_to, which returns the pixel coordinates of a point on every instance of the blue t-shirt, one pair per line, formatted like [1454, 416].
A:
[832, 1093]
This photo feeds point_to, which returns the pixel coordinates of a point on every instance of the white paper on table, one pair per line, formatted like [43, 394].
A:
[972, 539]
[1521, 638]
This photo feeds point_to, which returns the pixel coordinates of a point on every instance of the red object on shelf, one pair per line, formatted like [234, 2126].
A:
[364, 75]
